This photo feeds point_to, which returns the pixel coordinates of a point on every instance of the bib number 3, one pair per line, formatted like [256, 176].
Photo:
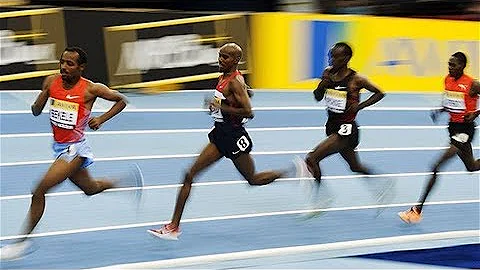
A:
[345, 129]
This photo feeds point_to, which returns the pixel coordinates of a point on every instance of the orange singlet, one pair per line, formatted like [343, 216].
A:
[68, 115]
[456, 99]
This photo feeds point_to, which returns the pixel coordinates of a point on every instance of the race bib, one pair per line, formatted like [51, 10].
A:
[335, 100]
[345, 129]
[63, 114]
[454, 101]
[216, 113]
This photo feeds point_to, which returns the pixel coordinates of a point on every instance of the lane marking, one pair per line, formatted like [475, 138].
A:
[293, 250]
[242, 182]
[264, 108]
[260, 153]
[205, 130]
[229, 217]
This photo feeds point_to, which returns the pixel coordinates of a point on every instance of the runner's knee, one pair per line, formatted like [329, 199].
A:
[38, 195]
[357, 169]
[42, 188]
[188, 178]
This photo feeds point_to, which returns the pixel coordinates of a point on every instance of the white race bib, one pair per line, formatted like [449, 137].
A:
[63, 114]
[454, 101]
[217, 113]
[335, 100]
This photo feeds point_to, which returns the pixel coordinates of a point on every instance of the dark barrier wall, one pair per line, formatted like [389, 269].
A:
[84, 28]
[30, 42]
[179, 53]
[158, 50]
[187, 5]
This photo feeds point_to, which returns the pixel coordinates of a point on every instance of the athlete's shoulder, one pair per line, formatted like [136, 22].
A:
[52, 78]
[358, 76]
[237, 83]
[95, 88]
[48, 81]
[239, 77]
[468, 77]
[87, 82]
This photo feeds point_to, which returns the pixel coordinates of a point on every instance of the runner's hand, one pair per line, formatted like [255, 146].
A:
[95, 123]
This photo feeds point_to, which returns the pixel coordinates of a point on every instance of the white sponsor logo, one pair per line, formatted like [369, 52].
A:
[72, 97]
[165, 52]
[460, 137]
[20, 52]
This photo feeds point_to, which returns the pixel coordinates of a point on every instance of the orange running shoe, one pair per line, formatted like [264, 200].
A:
[413, 215]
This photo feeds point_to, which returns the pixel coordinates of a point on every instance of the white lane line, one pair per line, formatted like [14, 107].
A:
[242, 182]
[292, 250]
[205, 130]
[230, 217]
[260, 153]
[263, 108]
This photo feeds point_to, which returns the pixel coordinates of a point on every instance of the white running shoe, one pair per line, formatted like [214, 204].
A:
[132, 181]
[16, 251]
[301, 168]
[166, 232]
[320, 199]
[138, 181]
[316, 193]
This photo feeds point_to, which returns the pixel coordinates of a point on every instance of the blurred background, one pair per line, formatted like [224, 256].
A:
[465, 9]
[285, 41]
[149, 47]
[461, 8]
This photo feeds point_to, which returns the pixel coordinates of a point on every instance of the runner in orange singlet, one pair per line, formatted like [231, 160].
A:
[460, 101]
[71, 100]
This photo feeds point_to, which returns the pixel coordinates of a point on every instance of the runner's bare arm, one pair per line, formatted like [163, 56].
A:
[241, 95]
[42, 98]
[374, 98]
[474, 90]
[106, 93]
[319, 92]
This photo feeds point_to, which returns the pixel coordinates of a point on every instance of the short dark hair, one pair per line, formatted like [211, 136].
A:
[82, 55]
[345, 46]
[461, 56]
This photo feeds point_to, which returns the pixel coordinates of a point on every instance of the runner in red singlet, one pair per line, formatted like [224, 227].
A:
[229, 108]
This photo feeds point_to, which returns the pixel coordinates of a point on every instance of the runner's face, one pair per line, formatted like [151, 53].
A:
[227, 59]
[69, 67]
[455, 67]
[337, 58]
